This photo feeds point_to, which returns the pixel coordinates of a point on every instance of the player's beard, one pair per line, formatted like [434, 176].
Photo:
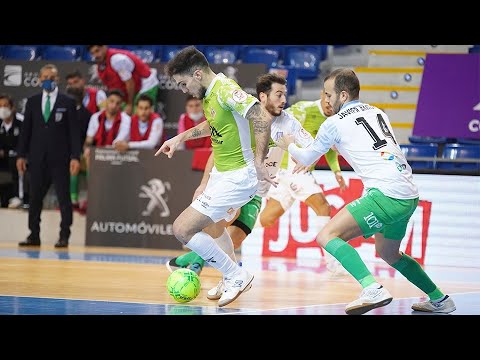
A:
[201, 92]
[336, 107]
[273, 110]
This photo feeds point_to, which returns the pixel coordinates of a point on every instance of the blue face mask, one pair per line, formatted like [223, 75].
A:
[49, 85]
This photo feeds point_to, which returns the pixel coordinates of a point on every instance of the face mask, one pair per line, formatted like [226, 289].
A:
[195, 116]
[5, 113]
[49, 85]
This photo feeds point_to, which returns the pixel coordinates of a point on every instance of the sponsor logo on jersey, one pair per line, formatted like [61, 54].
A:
[239, 96]
[386, 155]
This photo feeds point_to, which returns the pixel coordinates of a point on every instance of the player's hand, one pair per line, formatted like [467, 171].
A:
[262, 174]
[74, 167]
[199, 190]
[340, 180]
[169, 147]
[21, 166]
[121, 146]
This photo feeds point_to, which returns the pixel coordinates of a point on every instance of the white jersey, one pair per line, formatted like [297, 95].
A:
[283, 124]
[363, 135]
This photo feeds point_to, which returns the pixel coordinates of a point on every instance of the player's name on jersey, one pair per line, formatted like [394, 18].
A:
[355, 109]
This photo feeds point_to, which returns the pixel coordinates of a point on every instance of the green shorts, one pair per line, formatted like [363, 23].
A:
[248, 215]
[377, 213]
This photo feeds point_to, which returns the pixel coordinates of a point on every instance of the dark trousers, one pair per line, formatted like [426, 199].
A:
[41, 177]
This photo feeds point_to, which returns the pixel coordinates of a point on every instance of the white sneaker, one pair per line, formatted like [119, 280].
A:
[14, 203]
[371, 297]
[445, 306]
[234, 286]
[216, 292]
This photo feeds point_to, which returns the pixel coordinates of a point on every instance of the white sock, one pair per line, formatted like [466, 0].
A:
[204, 245]
[226, 244]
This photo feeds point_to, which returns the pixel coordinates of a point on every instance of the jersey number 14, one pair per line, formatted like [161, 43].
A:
[378, 143]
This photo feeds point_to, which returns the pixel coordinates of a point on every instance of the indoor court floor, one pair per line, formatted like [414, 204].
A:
[126, 281]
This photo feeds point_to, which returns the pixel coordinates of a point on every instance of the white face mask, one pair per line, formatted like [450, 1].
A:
[5, 112]
[195, 116]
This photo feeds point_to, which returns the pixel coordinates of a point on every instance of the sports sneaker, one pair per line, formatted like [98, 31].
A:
[235, 285]
[14, 203]
[216, 292]
[196, 267]
[445, 306]
[371, 297]
[172, 265]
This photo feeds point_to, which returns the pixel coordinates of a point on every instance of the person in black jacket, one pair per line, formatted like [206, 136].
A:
[10, 129]
[50, 140]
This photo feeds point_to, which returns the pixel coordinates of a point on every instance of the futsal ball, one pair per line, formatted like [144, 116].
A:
[183, 285]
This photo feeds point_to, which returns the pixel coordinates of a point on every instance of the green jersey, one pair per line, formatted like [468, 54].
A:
[225, 106]
[311, 116]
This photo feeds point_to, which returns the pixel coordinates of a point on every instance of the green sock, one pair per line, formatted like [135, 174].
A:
[198, 260]
[74, 188]
[350, 260]
[186, 259]
[408, 267]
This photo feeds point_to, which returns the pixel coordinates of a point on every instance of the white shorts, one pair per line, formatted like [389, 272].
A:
[293, 187]
[226, 192]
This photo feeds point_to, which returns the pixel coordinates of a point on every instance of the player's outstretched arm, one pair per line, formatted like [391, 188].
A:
[262, 121]
[171, 145]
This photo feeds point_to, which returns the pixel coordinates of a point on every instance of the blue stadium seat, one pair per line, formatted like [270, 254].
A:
[253, 55]
[475, 49]
[427, 139]
[420, 150]
[468, 141]
[306, 62]
[169, 51]
[20, 52]
[146, 55]
[155, 49]
[60, 53]
[220, 56]
[459, 151]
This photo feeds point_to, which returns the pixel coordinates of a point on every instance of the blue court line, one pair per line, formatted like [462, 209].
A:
[24, 305]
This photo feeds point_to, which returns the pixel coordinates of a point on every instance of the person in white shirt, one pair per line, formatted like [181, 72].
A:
[362, 134]
[146, 127]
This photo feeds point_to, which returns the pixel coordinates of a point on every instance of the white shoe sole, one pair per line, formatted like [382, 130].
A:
[246, 288]
[443, 311]
[363, 308]
[217, 297]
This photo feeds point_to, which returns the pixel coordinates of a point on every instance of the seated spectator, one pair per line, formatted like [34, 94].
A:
[83, 115]
[146, 127]
[12, 185]
[108, 126]
[93, 99]
[193, 116]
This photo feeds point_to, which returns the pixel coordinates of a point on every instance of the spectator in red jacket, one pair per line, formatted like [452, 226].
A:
[193, 116]
[146, 127]
[121, 69]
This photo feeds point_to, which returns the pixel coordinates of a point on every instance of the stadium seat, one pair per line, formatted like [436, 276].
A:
[169, 51]
[224, 55]
[468, 141]
[253, 55]
[420, 150]
[427, 140]
[146, 55]
[290, 73]
[155, 49]
[20, 52]
[457, 152]
[307, 63]
[61, 53]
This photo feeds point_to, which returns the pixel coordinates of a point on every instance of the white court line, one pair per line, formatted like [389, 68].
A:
[323, 305]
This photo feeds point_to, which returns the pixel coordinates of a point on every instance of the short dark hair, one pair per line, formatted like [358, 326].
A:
[186, 61]
[9, 99]
[144, 97]
[74, 74]
[117, 92]
[345, 80]
[265, 82]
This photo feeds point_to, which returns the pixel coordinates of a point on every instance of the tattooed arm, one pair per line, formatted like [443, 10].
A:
[169, 146]
[262, 121]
